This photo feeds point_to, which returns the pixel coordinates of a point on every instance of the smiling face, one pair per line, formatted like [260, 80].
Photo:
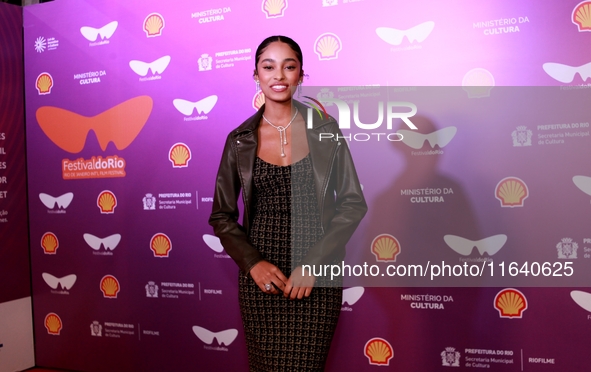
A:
[278, 71]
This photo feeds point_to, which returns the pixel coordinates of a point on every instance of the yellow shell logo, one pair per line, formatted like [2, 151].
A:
[582, 16]
[53, 323]
[49, 243]
[153, 25]
[106, 201]
[511, 192]
[478, 83]
[510, 303]
[378, 351]
[160, 244]
[258, 100]
[44, 83]
[179, 155]
[110, 286]
[274, 8]
[327, 46]
[385, 247]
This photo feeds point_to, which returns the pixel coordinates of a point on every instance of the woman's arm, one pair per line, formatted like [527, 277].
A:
[225, 213]
[224, 219]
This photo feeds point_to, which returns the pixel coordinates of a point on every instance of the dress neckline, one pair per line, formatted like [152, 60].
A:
[289, 165]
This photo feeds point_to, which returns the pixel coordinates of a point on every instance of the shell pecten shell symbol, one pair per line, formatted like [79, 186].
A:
[53, 323]
[582, 16]
[478, 83]
[510, 303]
[110, 286]
[511, 192]
[49, 243]
[160, 244]
[258, 100]
[153, 25]
[44, 83]
[274, 8]
[179, 155]
[327, 46]
[106, 202]
[385, 247]
[379, 351]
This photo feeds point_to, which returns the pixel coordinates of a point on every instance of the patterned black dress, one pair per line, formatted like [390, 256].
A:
[283, 334]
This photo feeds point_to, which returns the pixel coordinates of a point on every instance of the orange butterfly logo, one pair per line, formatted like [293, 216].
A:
[120, 124]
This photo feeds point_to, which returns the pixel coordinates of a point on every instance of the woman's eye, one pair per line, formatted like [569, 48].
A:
[268, 67]
[290, 67]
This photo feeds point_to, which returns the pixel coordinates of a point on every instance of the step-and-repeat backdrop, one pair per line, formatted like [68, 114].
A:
[16, 328]
[128, 105]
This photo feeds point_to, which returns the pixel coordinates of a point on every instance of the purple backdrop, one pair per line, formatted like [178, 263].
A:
[128, 105]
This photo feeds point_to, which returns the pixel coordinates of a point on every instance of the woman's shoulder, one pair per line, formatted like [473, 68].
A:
[249, 124]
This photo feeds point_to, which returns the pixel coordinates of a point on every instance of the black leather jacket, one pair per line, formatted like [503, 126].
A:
[341, 201]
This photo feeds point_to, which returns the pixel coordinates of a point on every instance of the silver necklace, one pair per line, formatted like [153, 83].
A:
[281, 129]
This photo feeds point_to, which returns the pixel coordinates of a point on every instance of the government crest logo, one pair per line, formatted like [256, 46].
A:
[205, 62]
[149, 202]
[378, 351]
[151, 290]
[324, 94]
[330, 2]
[567, 249]
[510, 303]
[450, 357]
[521, 136]
[96, 329]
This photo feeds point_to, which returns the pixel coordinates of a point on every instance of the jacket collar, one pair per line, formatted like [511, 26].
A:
[252, 122]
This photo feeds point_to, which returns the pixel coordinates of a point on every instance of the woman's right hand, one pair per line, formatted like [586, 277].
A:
[265, 272]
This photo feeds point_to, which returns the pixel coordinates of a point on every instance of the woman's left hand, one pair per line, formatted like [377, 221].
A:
[299, 285]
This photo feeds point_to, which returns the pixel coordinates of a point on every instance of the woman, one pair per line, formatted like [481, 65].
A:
[302, 202]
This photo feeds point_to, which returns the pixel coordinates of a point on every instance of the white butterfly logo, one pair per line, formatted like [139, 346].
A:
[566, 73]
[91, 34]
[583, 183]
[110, 242]
[62, 201]
[66, 282]
[213, 242]
[352, 295]
[203, 106]
[416, 140]
[583, 299]
[223, 337]
[394, 36]
[463, 246]
[157, 66]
